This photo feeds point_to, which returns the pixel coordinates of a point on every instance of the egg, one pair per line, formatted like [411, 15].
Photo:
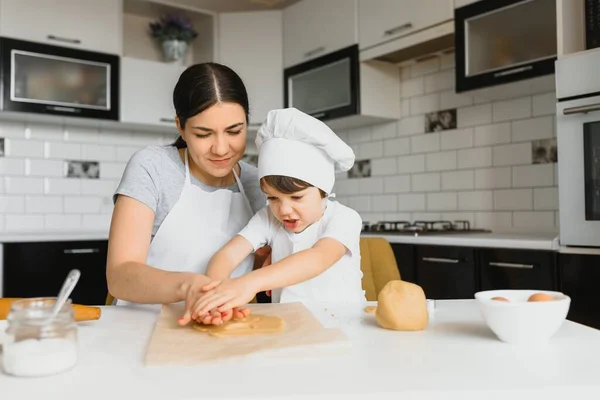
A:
[500, 299]
[540, 297]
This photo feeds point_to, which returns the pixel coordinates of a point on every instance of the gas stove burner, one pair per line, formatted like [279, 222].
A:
[420, 227]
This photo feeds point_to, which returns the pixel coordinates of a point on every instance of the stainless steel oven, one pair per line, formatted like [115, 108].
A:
[578, 140]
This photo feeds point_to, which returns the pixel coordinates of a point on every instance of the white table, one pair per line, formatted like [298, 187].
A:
[456, 357]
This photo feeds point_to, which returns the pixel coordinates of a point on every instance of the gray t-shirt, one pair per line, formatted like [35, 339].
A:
[155, 176]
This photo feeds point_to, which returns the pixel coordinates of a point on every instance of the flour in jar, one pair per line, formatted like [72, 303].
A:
[33, 357]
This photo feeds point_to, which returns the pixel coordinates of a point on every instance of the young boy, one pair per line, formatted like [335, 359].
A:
[314, 241]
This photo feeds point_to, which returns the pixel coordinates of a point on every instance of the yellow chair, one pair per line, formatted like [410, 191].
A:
[378, 265]
[109, 299]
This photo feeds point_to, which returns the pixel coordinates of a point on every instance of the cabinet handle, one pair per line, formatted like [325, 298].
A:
[513, 71]
[510, 265]
[397, 29]
[441, 260]
[61, 39]
[80, 251]
[581, 109]
[314, 51]
[170, 120]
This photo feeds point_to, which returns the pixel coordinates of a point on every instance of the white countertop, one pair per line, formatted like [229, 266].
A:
[12, 237]
[455, 357]
[510, 240]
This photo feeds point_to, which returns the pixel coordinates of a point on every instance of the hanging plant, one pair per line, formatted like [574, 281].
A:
[173, 27]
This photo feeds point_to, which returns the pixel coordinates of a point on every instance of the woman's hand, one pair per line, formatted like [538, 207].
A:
[224, 296]
[215, 317]
[191, 292]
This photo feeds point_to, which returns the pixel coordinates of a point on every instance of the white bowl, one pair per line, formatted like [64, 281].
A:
[519, 321]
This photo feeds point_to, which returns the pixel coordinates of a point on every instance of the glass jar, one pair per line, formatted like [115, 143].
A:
[36, 345]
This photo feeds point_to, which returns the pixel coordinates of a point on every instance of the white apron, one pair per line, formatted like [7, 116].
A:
[341, 283]
[198, 225]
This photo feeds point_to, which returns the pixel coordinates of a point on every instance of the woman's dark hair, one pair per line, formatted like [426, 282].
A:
[203, 85]
[287, 185]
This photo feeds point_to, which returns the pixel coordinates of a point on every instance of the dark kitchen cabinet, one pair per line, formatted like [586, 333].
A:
[446, 272]
[405, 258]
[39, 269]
[579, 277]
[517, 269]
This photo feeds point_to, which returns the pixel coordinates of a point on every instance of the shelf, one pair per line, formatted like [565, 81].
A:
[137, 42]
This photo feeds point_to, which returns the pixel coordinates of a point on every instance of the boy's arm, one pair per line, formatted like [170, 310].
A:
[224, 261]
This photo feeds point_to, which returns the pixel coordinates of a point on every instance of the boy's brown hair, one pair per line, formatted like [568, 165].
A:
[287, 185]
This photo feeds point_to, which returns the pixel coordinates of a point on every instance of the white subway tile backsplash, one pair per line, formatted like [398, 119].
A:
[475, 115]
[424, 104]
[360, 203]
[533, 175]
[365, 150]
[12, 166]
[451, 99]
[410, 164]
[411, 202]
[426, 182]
[384, 131]
[475, 158]
[413, 87]
[45, 131]
[500, 221]
[532, 129]
[447, 60]
[16, 185]
[425, 67]
[512, 109]
[405, 106]
[81, 134]
[512, 154]
[346, 187]
[100, 222]
[385, 203]
[2, 223]
[396, 216]
[459, 216]
[427, 142]
[405, 72]
[411, 126]
[53, 168]
[475, 201]
[98, 187]
[12, 204]
[544, 104]
[62, 150]
[513, 199]
[443, 161]
[371, 218]
[545, 198]
[124, 153]
[357, 135]
[396, 184]
[458, 180]
[11, 129]
[62, 186]
[118, 137]
[442, 201]
[541, 220]
[82, 205]
[370, 185]
[23, 148]
[457, 139]
[492, 134]
[23, 223]
[396, 147]
[98, 152]
[493, 178]
[37, 204]
[62, 222]
[426, 216]
[383, 166]
[439, 81]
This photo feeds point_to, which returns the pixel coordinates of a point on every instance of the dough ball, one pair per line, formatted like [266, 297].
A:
[402, 306]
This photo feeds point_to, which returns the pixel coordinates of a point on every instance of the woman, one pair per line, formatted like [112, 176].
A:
[177, 205]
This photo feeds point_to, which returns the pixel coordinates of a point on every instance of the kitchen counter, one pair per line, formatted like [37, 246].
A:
[456, 357]
[509, 240]
[21, 237]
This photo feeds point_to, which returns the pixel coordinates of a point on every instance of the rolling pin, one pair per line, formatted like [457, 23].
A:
[81, 312]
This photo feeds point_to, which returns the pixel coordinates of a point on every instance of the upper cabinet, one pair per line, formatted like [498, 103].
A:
[84, 24]
[313, 28]
[380, 21]
[251, 44]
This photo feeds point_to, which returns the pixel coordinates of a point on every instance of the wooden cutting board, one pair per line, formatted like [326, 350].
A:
[172, 344]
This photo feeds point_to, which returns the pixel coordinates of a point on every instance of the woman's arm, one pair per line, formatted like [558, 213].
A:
[128, 277]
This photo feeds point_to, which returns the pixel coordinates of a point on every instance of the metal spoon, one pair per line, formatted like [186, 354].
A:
[65, 291]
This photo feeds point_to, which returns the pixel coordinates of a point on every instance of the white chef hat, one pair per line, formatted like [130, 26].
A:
[292, 143]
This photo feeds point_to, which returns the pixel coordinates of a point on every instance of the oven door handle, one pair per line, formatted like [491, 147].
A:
[581, 109]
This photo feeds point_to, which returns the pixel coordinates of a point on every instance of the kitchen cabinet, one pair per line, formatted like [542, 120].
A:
[446, 272]
[313, 28]
[251, 44]
[147, 91]
[84, 24]
[517, 269]
[39, 268]
[380, 21]
[579, 277]
[405, 258]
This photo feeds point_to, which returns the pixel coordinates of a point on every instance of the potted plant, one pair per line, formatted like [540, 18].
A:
[174, 32]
